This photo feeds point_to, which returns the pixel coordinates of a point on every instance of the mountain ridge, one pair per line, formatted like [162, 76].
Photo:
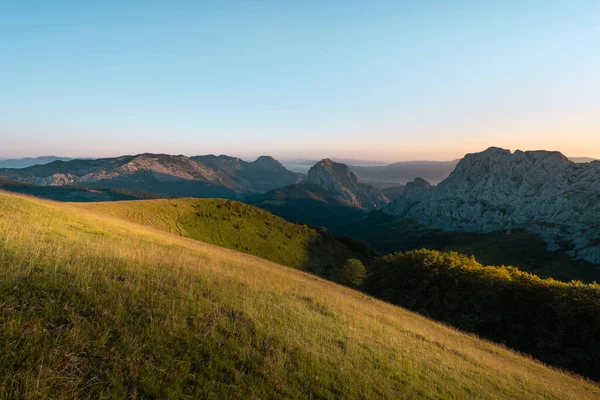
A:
[261, 175]
[161, 173]
[541, 191]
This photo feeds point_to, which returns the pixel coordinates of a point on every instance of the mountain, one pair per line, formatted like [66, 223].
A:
[28, 161]
[121, 310]
[261, 175]
[540, 191]
[344, 185]
[403, 172]
[330, 195]
[398, 174]
[161, 173]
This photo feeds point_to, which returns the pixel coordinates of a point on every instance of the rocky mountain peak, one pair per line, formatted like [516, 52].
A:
[417, 187]
[541, 191]
[414, 192]
[339, 180]
[327, 163]
[332, 176]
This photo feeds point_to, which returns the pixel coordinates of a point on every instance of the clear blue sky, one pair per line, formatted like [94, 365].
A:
[389, 80]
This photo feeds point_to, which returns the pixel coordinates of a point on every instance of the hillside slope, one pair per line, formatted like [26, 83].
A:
[240, 227]
[99, 307]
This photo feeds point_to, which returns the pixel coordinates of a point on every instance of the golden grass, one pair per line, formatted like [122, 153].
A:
[95, 306]
[237, 226]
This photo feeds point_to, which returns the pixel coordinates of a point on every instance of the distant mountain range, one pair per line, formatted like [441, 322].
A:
[29, 161]
[541, 191]
[201, 176]
[397, 174]
[385, 175]
[403, 172]
[581, 160]
[302, 165]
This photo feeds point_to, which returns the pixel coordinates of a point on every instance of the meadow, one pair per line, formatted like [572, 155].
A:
[95, 306]
[245, 228]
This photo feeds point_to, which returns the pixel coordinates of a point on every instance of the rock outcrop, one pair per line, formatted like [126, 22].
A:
[541, 191]
[337, 179]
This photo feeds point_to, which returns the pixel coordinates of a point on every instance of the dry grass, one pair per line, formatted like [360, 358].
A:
[94, 306]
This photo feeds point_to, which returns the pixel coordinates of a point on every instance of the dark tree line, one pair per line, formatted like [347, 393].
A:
[556, 322]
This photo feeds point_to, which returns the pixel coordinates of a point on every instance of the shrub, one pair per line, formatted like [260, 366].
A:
[352, 273]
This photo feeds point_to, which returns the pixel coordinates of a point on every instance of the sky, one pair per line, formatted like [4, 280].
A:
[379, 80]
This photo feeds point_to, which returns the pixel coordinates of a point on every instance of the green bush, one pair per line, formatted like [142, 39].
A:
[352, 273]
[558, 323]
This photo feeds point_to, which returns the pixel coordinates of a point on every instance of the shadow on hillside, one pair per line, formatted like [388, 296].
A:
[328, 252]
[520, 249]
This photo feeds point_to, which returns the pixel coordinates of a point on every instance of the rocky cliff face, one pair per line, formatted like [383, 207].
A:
[340, 181]
[541, 191]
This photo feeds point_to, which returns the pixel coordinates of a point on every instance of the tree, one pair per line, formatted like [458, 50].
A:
[352, 273]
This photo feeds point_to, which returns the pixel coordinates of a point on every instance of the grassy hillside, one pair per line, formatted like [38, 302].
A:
[94, 306]
[240, 227]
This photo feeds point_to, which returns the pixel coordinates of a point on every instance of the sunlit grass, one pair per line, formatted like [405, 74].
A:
[94, 306]
[237, 226]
